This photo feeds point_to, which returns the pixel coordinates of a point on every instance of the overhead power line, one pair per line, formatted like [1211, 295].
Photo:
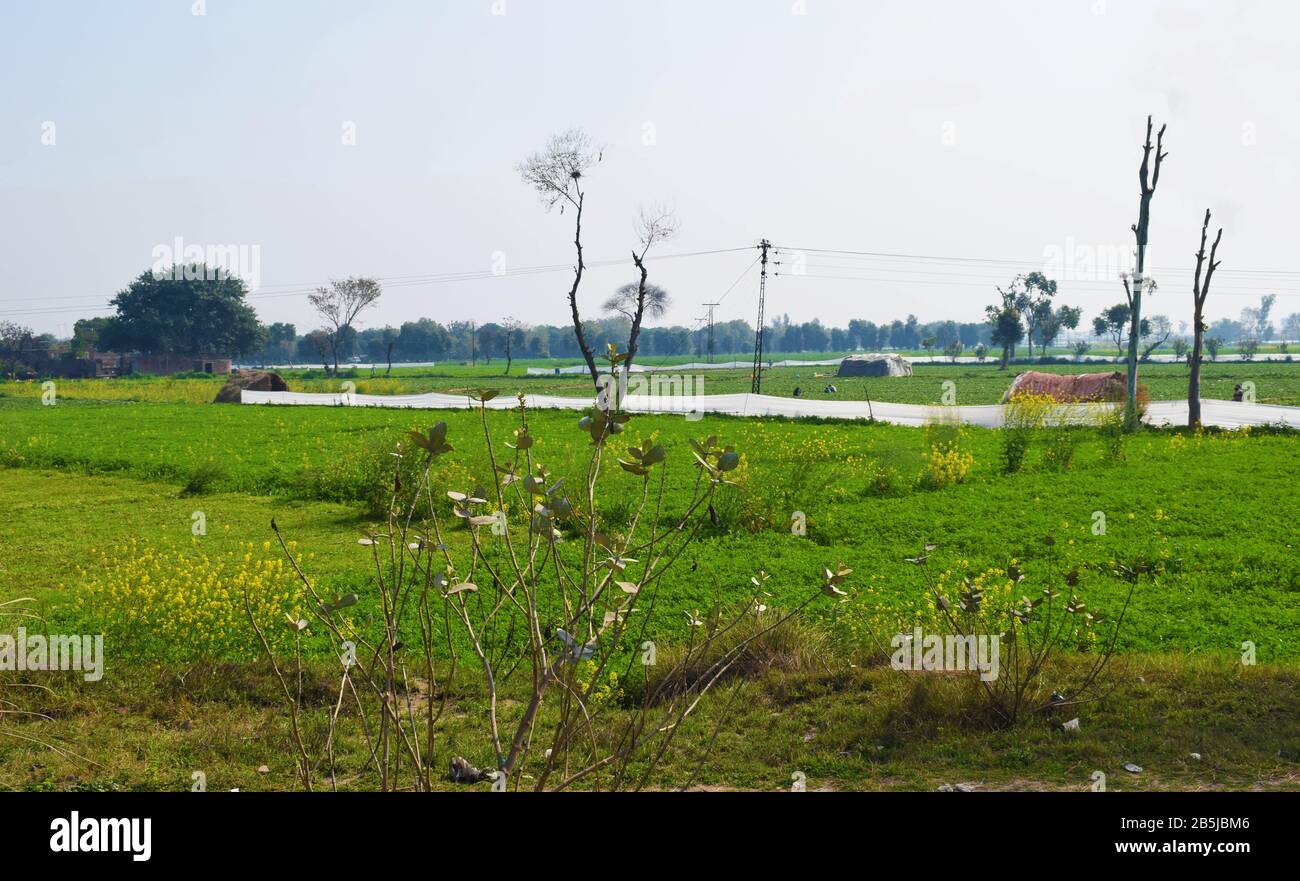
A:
[990, 260]
[828, 264]
[394, 281]
[1093, 286]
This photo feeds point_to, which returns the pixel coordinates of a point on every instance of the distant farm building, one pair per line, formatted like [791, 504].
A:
[90, 366]
[165, 365]
[103, 363]
[107, 364]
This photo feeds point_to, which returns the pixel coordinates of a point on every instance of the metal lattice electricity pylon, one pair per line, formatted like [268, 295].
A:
[710, 320]
[758, 330]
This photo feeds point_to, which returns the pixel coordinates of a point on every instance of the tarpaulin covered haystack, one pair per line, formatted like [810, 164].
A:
[1069, 389]
[252, 380]
[875, 365]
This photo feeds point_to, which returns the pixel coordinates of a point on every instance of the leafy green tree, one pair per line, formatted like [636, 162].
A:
[1256, 322]
[1115, 321]
[280, 339]
[423, 340]
[194, 310]
[316, 346]
[1033, 297]
[814, 336]
[1053, 321]
[340, 304]
[1291, 328]
[15, 346]
[1004, 319]
[85, 335]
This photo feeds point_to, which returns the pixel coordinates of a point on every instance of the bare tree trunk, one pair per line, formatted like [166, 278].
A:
[1194, 380]
[1135, 322]
[635, 332]
[573, 301]
[1149, 183]
[1199, 293]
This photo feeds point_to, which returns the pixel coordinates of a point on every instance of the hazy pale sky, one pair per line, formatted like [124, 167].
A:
[991, 131]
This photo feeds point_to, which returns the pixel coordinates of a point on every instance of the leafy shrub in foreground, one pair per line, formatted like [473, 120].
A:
[541, 592]
[1031, 626]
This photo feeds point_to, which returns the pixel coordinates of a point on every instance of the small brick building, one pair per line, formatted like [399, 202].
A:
[164, 365]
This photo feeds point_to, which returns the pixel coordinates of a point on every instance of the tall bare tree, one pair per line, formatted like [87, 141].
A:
[340, 304]
[1161, 330]
[556, 173]
[512, 333]
[389, 338]
[1149, 178]
[654, 225]
[1200, 290]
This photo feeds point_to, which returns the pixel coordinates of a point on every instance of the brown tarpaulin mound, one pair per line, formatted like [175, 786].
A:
[1069, 389]
[257, 380]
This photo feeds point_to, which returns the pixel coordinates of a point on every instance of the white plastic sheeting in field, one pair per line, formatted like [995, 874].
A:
[1225, 414]
[1091, 360]
[686, 368]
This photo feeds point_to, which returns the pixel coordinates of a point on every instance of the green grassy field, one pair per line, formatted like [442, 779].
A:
[1220, 508]
[1275, 383]
[1213, 514]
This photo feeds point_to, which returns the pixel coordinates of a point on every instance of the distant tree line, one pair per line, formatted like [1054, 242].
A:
[206, 315]
[428, 340]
